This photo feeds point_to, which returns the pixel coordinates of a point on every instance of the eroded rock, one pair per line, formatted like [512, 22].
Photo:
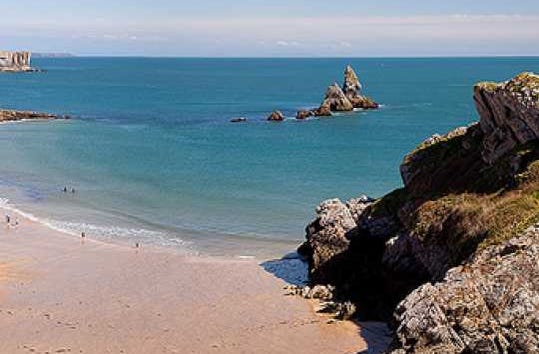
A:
[489, 305]
[509, 114]
[336, 100]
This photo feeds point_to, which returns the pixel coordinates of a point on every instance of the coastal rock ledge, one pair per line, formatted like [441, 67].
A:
[451, 260]
[7, 115]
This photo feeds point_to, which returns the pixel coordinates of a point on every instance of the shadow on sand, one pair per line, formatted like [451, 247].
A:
[293, 269]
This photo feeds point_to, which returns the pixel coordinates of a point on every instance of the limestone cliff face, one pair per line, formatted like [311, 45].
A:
[15, 61]
[509, 114]
[458, 226]
[489, 305]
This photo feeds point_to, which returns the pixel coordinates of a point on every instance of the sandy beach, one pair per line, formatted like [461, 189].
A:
[60, 294]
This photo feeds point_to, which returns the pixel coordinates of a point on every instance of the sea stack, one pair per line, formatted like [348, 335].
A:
[15, 61]
[336, 100]
[352, 89]
[347, 98]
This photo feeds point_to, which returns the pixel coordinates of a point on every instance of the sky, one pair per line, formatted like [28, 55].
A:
[272, 28]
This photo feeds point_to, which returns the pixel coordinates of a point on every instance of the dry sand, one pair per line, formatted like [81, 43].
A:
[61, 295]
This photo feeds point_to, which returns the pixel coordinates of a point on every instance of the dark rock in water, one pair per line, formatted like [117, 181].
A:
[489, 305]
[11, 115]
[336, 100]
[276, 116]
[322, 111]
[509, 114]
[238, 120]
[304, 114]
[352, 90]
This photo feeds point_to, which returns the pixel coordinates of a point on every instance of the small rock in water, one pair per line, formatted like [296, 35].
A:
[304, 114]
[276, 116]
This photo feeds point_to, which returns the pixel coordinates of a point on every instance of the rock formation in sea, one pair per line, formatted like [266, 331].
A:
[450, 259]
[276, 116]
[15, 62]
[352, 90]
[336, 100]
[304, 114]
[7, 115]
[348, 97]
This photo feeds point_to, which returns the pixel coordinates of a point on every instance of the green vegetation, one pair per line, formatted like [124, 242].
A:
[390, 204]
[463, 222]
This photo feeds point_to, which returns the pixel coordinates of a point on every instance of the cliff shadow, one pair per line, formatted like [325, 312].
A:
[292, 268]
[377, 336]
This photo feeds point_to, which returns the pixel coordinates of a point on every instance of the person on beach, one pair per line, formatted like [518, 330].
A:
[83, 235]
[65, 189]
[73, 190]
[8, 219]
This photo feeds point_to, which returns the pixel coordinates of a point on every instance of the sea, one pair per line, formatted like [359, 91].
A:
[153, 157]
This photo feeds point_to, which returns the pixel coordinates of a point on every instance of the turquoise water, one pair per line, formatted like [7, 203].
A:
[153, 156]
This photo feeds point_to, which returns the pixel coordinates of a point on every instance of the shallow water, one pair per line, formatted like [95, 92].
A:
[153, 157]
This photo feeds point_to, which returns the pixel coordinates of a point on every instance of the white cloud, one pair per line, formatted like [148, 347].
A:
[362, 35]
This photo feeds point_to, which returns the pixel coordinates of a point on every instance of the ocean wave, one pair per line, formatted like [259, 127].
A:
[99, 232]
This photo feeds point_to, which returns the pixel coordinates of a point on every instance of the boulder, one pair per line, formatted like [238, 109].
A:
[336, 100]
[276, 116]
[509, 114]
[304, 114]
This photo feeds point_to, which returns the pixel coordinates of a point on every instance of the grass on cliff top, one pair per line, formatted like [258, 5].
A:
[465, 222]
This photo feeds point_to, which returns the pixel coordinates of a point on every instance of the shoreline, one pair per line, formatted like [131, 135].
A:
[59, 292]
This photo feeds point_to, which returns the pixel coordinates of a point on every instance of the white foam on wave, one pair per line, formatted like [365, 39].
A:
[102, 232]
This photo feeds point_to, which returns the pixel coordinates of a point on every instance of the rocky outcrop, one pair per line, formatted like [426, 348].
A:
[450, 246]
[509, 114]
[322, 111]
[352, 90]
[489, 305]
[347, 98]
[327, 237]
[336, 100]
[276, 116]
[15, 62]
[11, 115]
[304, 114]
[238, 120]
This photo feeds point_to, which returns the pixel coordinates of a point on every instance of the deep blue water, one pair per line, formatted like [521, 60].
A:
[152, 154]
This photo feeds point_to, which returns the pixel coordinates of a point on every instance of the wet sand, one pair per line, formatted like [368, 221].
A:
[60, 294]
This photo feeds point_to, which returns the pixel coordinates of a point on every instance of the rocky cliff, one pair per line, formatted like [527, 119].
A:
[15, 62]
[451, 258]
[11, 115]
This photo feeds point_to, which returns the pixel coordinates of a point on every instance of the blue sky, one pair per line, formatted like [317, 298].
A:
[273, 28]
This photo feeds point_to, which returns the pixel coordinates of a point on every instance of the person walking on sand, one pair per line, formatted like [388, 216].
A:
[73, 190]
[65, 189]
[8, 219]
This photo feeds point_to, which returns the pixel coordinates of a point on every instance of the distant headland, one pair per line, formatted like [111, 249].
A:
[16, 61]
